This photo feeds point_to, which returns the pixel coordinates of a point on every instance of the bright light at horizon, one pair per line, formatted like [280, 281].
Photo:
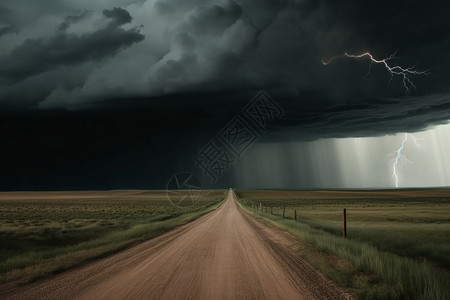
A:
[365, 162]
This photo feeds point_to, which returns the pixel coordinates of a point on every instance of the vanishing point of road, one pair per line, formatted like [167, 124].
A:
[226, 254]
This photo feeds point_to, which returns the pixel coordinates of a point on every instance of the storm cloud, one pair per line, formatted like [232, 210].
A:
[37, 56]
[189, 66]
[151, 49]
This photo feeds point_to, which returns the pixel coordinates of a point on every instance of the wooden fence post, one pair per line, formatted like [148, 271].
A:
[284, 211]
[295, 214]
[345, 223]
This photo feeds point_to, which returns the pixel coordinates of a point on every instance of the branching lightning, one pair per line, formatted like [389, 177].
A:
[404, 72]
[399, 157]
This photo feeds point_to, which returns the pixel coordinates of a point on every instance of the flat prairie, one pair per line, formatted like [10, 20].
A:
[46, 232]
[400, 236]
[225, 254]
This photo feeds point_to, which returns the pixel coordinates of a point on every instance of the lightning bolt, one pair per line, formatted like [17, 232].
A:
[399, 157]
[404, 72]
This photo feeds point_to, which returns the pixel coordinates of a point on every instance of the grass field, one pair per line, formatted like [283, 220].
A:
[44, 233]
[398, 244]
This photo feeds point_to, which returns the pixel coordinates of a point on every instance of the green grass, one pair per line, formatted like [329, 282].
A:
[397, 248]
[42, 234]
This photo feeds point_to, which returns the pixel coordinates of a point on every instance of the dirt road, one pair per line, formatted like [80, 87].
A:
[223, 255]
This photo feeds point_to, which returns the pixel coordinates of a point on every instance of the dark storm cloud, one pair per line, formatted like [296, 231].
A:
[376, 118]
[235, 48]
[118, 15]
[6, 29]
[6, 21]
[72, 20]
[37, 56]
[283, 42]
[97, 105]
[213, 20]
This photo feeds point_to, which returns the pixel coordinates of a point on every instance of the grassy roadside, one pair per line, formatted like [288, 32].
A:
[361, 268]
[48, 246]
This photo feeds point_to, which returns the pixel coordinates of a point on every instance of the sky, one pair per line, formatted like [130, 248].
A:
[111, 94]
